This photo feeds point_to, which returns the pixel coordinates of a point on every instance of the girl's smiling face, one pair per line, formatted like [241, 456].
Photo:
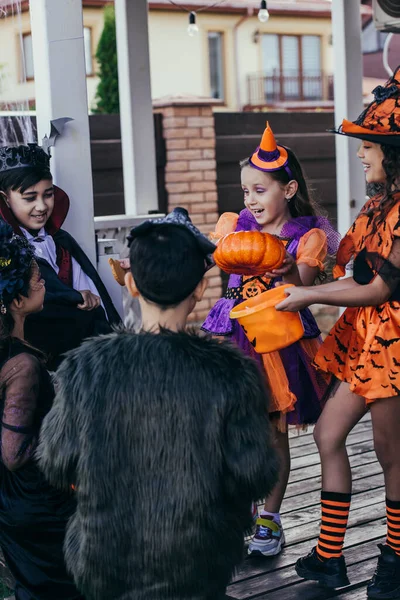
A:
[33, 208]
[265, 198]
[371, 156]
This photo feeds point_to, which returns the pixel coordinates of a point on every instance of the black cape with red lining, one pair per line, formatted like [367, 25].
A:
[61, 325]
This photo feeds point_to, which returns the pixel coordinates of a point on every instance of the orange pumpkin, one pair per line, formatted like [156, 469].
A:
[249, 253]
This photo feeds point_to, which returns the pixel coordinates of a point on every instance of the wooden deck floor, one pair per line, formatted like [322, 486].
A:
[275, 578]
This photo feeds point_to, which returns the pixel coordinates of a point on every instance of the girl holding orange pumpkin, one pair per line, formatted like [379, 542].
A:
[278, 202]
[362, 351]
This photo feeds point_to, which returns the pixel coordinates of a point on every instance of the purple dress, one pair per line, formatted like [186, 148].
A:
[296, 387]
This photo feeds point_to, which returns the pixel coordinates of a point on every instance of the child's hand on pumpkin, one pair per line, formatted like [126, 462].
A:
[287, 267]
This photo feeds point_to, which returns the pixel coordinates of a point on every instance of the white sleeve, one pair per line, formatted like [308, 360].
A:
[80, 281]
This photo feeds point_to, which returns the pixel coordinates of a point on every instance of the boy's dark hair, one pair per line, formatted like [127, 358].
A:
[23, 178]
[166, 263]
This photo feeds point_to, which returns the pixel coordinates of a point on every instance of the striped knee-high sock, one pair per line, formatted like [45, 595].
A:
[393, 524]
[335, 509]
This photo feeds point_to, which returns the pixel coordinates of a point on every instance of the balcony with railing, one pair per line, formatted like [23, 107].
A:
[289, 90]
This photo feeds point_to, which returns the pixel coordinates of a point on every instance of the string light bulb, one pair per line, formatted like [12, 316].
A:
[192, 27]
[263, 14]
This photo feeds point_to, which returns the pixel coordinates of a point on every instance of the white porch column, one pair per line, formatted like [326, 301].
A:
[60, 83]
[348, 73]
[137, 127]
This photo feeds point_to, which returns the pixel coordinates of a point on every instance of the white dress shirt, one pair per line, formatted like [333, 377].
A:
[46, 249]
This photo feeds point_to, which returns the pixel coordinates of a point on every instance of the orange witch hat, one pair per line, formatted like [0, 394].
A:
[380, 121]
[269, 156]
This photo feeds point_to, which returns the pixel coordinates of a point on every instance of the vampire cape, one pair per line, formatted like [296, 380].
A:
[61, 326]
[167, 440]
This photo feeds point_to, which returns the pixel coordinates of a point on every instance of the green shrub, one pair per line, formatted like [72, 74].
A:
[107, 96]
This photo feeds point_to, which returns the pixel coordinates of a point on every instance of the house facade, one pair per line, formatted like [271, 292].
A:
[286, 62]
[17, 82]
[373, 43]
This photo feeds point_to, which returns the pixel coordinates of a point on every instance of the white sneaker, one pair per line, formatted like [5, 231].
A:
[268, 539]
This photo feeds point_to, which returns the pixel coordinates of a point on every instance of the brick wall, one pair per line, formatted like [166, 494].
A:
[191, 173]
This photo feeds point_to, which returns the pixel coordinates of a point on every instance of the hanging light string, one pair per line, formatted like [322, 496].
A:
[205, 7]
[192, 27]
[263, 14]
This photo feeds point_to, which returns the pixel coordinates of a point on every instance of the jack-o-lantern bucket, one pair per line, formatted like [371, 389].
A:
[267, 329]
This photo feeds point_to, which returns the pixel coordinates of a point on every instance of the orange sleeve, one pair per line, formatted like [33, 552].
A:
[227, 223]
[312, 249]
[344, 256]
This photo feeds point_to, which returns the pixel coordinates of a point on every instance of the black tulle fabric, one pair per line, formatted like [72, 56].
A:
[33, 515]
[367, 264]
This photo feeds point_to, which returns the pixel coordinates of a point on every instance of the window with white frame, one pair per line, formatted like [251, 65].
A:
[216, 64]
[292, 66]
[27, 54]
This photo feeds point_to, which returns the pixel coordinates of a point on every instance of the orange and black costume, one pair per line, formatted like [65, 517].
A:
[363, 348]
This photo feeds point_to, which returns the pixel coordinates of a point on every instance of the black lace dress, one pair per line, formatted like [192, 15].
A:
[33, 515]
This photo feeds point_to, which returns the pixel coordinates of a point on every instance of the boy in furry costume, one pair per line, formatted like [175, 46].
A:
[165, 435]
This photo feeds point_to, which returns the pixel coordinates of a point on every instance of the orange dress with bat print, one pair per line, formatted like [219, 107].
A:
[363, 348]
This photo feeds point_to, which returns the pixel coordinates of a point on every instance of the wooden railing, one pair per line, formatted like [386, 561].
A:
[277, 88]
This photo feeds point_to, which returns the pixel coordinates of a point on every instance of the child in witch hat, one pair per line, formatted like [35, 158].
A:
[165, 434]
[77, 304]
[278, 202]
[362, 351]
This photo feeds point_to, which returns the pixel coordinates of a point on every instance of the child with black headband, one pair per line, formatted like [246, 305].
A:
[164, 434]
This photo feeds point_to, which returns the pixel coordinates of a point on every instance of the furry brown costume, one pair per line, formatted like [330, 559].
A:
[167, 439]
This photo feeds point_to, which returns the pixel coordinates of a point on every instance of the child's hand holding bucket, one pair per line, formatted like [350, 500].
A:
[266, 330]
[297, 299]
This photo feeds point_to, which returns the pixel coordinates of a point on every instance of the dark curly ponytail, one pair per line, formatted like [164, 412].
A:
[6, 328]
[389, 189]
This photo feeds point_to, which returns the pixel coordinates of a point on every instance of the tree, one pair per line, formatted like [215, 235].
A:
[107, 96]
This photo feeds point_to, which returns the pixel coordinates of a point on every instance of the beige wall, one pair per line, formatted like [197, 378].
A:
[13, 90]
[179, 63]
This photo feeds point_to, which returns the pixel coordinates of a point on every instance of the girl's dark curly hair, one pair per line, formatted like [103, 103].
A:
[16, 260]
[387, 190]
